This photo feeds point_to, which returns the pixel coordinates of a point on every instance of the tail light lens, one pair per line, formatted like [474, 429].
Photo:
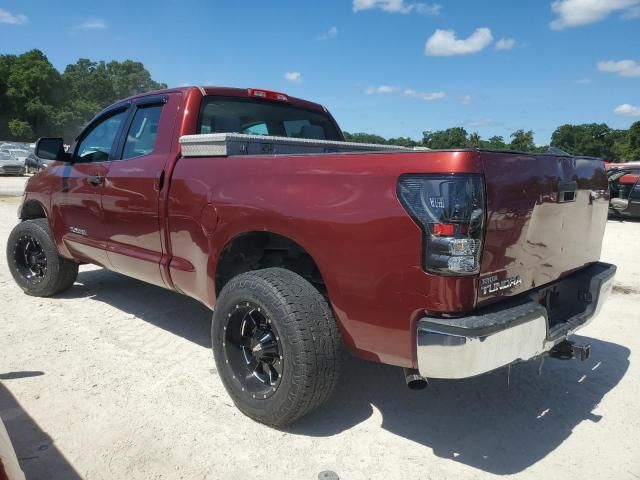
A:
[451, 210]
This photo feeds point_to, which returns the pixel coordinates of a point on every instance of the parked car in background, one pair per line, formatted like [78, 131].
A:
[10, 165]
[624, 190]
[19, 154]
[34, 164]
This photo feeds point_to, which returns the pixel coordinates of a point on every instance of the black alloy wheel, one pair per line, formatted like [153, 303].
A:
[34, 261]
[253, 351]
[276, 345]
[30, 259]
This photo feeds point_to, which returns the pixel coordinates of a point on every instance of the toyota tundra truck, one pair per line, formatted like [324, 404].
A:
[448, 264]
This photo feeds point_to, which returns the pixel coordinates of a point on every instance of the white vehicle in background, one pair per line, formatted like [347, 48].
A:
[19, 154]
[11, 165]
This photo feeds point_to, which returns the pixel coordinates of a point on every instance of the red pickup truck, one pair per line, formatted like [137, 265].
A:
[446, 263]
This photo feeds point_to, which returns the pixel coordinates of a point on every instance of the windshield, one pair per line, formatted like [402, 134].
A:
[257, 117]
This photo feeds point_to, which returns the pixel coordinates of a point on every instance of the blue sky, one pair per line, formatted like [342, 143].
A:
[391, 67]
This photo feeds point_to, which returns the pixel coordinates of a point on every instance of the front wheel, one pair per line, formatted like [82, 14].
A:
[34, 261]
[276, 345]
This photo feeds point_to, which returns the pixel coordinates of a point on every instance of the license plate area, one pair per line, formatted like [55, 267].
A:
[566, 299]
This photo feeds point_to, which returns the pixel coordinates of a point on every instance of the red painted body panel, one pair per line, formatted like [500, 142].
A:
[130, 202]
[341, 208]
[529, 233]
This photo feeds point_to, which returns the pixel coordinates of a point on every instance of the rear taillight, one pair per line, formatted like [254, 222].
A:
[450, 209]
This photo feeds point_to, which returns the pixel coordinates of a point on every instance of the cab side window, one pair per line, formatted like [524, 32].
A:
[99, 143]
[143, 132]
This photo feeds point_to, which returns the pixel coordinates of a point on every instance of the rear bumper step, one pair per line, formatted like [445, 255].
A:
[517, 329]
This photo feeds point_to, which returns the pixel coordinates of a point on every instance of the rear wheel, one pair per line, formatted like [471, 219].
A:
[34, 261]
[276, 345]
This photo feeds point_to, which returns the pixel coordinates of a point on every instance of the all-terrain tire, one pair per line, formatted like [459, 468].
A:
[308, 344]
[58, 273]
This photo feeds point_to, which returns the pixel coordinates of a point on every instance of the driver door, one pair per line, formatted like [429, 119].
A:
[77, 203]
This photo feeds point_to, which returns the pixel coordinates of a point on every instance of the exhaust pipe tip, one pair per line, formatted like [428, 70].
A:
[414, 380]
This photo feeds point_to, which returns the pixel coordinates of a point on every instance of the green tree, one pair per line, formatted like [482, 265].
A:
[403, 142]
[130, 78]
[450, 138]
[20, 129]
[364, 138]
[522, 141]
[29, 91]
[475, 141]
[494, 143]
[594, 139]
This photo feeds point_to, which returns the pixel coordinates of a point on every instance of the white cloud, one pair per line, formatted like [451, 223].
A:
[443, 43]
[627, 110]
[428, 96]
[428, 9]
[329, 34]
[466, 100]
[407, 92]
[397, 6]
[624, 68]
[483, 122]
[294, 77]
[575, 13]
[14, 19]
[92, 24]
[381, 89]
[505, 44]
[633, 12]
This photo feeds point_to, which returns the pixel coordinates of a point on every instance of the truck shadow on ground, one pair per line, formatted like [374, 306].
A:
[37, 454]
[499, 422]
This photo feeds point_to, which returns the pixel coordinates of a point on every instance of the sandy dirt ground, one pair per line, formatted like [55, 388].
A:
[115, 380]
[12, 186]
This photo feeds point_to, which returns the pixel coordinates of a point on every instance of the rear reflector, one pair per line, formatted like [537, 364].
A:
[267, 95]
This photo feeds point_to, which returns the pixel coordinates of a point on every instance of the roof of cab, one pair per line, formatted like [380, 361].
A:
[226, 92]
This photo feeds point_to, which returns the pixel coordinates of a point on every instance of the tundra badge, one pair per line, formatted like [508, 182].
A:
[491, 284]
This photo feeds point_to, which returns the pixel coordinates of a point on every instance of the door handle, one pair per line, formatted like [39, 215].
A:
[95, 180]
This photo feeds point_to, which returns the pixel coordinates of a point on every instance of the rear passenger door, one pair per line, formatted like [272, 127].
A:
[133, 185]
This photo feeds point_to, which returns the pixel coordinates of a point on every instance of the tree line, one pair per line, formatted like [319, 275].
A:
[36, 100]
[593, 139]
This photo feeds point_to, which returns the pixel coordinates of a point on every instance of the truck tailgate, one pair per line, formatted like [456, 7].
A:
[545, 218]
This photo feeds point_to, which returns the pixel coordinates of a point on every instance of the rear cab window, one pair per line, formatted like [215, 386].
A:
[262, 117]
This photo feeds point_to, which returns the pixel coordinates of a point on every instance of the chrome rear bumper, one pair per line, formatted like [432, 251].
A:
[517, 329]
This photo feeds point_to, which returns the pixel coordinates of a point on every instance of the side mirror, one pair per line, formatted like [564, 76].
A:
[51, 148]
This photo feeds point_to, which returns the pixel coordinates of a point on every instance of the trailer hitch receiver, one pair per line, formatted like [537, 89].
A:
[567, 350]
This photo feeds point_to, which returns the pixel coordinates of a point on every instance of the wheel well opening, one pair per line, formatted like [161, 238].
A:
[258, 250]
[32, 210]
